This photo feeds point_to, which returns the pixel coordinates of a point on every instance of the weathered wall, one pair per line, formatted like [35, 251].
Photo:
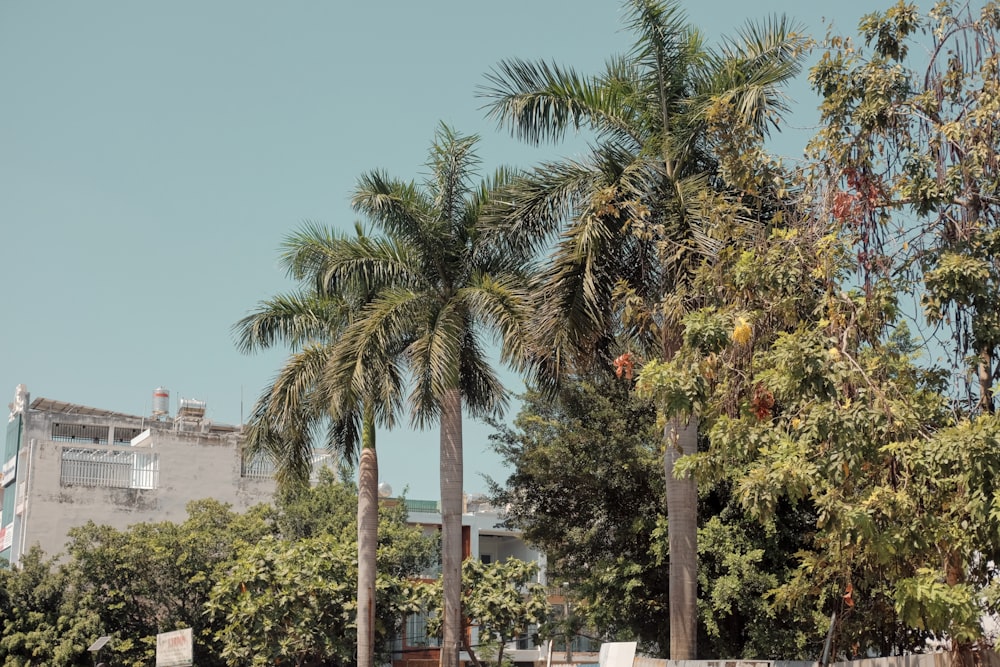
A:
[940, 659]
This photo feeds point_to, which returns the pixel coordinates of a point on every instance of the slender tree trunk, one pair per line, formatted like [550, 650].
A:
[682, 523]
[985, 372]
[367, 540]
[451, 525]
[473, 658]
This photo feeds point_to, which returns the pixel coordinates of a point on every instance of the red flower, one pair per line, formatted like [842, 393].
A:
[625, 365]
[762, 402]
[849, 596]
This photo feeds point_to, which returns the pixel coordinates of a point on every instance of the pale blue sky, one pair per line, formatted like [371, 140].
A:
[153, 155]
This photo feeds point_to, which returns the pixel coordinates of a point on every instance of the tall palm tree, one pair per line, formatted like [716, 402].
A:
[441, 292]
[626, 218]
[301, 399]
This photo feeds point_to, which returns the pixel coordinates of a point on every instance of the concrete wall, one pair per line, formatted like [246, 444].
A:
[655, 662]
[939, 659]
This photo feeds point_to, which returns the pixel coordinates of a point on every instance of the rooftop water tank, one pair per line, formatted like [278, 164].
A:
[161, 402]
[190, 407]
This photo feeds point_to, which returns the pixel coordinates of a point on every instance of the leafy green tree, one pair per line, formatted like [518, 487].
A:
[901, 492]
[291, 598]
[293, 602]
[907, 156]
[156, 577]
[322, 510]
[502, 599]
[631, 214]
[906, 169]
[812, 399]
[37, 626]
[587, 490]
[440, 291]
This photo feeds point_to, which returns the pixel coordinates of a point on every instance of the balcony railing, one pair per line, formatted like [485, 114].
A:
[114, 469]
[262, 467]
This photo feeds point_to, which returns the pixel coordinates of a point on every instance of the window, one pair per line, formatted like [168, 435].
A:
[124, 434]
[416, 631]
[81, 433]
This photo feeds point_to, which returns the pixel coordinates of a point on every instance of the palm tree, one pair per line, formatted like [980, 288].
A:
[441, 292]
[626, 219]
[302, 398]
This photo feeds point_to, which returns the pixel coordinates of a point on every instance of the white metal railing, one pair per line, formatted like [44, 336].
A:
[263, 467]
[116, 469]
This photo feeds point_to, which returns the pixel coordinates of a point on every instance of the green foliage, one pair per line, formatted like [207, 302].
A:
[707, 331]
[317, 510]
[292, 596]
[156, 577]
[903, 497]
[677, 386]
[295, 601]
[906, 155]
[502, 599]
[37, 625]
[587, 489]
[901, 477]
[741, 562]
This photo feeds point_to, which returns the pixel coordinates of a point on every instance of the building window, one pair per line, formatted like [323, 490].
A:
[81, 433]
[528, 640]
[416, 631]
[125, 434]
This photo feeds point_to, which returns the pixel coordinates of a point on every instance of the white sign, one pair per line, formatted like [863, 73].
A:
[617, 654]
[175, 649]
[8, 470]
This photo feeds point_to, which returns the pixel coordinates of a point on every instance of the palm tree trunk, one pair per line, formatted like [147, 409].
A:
[367, 540]
[451, 525]
[682, 516]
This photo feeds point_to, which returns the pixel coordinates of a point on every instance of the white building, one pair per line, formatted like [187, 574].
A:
[65, 464]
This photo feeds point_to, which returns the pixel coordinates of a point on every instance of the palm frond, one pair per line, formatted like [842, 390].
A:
[367, 356]
[501, 304]
[484, 392]
[661, 30]
[537, 204]
[454, 164]
[541, 101]
[289, 413]
[434, 356]
[747, 73]
[399, 209]
[355, 267]
[292, 319]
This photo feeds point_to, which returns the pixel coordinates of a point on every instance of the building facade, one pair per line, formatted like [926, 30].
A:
[65, 464]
